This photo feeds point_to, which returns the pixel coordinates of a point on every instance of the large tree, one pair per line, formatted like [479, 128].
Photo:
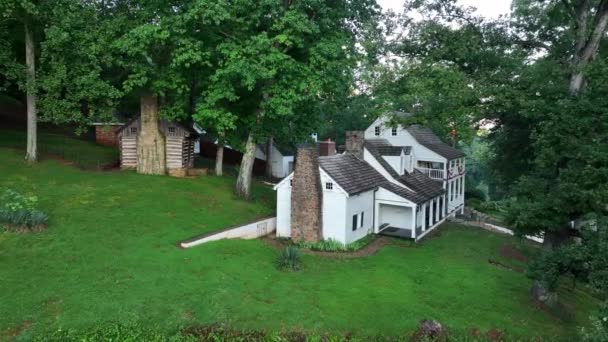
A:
[27, 15]
[278, 60]
[538, 77]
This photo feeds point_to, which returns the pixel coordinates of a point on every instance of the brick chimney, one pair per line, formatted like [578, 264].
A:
[327, 148]
[354, 142]
[306, 197]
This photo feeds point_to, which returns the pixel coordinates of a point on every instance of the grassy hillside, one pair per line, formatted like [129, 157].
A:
[109, 255]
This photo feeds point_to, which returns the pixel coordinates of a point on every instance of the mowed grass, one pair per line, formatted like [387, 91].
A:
[109, 254]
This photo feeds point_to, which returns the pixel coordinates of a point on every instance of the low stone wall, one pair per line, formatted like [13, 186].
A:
[480, 221]
[251, 230]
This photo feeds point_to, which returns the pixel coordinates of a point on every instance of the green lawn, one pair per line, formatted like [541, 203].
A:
[109, 255]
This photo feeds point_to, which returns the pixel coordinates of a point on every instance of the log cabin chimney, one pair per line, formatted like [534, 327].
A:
[327, 148]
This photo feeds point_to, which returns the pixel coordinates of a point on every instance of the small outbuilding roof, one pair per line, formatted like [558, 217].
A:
[428, 139]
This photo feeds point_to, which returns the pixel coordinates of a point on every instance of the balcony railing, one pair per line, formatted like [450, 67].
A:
[432, 173]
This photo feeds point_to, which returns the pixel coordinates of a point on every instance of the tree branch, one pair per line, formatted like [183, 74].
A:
[581, 17]
[599, 28]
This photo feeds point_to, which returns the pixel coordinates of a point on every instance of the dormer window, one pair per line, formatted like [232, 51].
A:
[394, 131]
[133, 130]
[329, 186]
[171, 130]
[377, 130]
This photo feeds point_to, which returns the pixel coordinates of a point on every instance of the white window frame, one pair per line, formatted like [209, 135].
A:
[329, 186]
[361, 220]
[355, 222]
[394, 131]
[377, 131]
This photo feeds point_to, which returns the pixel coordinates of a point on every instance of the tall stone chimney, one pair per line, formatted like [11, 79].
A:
[306, 197]
[354, 142]
[327, 148]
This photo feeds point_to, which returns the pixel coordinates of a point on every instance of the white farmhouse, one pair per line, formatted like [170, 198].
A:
[392, 180]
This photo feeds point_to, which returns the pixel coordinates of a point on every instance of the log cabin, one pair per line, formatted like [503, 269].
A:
[180, 141]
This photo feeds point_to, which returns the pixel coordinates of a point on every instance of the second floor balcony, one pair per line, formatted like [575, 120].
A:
[432, 173]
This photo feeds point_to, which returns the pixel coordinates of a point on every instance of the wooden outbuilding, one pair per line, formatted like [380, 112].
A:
[179, 141]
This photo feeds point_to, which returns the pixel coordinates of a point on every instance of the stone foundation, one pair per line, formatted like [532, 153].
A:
[306, 197]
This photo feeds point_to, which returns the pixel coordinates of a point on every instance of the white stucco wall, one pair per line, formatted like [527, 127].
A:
[386, 133]
[357, 204]
[284, 208]
[334, 210]
[396, 162]
[396, 216]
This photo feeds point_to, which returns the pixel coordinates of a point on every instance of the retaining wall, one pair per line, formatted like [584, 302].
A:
[251, 230]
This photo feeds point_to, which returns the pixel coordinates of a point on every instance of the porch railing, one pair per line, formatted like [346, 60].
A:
[432, 173]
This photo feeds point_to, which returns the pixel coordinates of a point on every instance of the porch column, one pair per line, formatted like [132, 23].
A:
[414, 222]
[463, 189]
[423, 211]
[376, 217]
[436, 200]
[431, 213]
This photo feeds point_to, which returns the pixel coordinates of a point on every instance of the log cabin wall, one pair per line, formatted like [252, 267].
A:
[175, 152]
[128, 152]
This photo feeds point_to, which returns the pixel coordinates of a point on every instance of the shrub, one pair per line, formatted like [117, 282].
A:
[18, 212]
[475, 193]
[289, 259]
[331, 245]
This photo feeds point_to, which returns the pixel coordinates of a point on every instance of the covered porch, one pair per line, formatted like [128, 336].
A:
[397, 219]
[408, 220]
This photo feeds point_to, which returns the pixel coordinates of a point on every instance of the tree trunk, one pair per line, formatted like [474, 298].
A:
[151, 154]
[30, 61]
[219, 159]
[243, 182]
[269, 149]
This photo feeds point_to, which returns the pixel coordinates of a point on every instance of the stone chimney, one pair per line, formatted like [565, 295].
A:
[306, 197]
[327, 148]
[354, 142]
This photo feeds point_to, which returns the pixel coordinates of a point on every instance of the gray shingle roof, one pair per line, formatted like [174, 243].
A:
[423, 185]
[372, 146]
[351, 173]
[385, 148]
[403, 192]
[356, 176]
[428, 139]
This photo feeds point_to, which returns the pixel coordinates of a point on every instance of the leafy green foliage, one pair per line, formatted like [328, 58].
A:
[597, 331]
[270, 76]
[18, 212]
[331, 245]
[289, 259]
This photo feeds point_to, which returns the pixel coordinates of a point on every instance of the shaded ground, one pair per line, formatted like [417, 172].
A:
[68, 150]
